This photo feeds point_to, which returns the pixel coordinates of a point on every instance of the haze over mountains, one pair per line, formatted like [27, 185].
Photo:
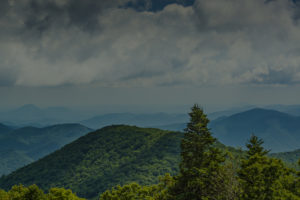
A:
[21, 146]
[143, 120]
[280, 130]
[31, 115]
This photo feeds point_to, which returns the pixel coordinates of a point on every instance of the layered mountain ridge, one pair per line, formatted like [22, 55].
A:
[21, 146]
[280, 131]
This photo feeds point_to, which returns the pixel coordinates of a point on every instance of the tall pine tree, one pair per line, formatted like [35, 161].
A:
[201, 163]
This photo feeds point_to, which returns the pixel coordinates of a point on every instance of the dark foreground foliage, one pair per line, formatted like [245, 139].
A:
[33, 192]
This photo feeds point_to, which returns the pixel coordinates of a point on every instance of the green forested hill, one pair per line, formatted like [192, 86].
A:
[22, 146]
[102, 159]
[291, 158]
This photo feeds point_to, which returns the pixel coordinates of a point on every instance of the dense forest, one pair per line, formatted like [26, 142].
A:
[206, 169]
[102, 159]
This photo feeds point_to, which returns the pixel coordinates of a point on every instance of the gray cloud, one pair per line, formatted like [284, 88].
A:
[59, 42]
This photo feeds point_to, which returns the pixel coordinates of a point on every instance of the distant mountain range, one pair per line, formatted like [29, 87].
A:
[31, 115]
[289, 109]
[143, 120]
[234, 126]
[280, 131]
[21, 146]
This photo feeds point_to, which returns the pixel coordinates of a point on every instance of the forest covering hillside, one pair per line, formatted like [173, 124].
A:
[291, 158]
[101, 159]
[25, 145]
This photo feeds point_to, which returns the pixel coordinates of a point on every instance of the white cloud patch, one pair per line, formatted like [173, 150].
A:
[214, 42]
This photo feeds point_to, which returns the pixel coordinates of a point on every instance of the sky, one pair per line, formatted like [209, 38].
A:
[149, 53]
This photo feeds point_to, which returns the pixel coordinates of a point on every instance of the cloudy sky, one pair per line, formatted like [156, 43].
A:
[149, 52]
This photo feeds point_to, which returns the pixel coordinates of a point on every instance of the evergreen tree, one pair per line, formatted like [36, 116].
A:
[200, 176]
[264, 178]
[231, 182]
[295, 185]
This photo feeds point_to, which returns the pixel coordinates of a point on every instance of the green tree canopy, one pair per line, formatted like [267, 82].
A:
[62, 194]
[264, 178]
[33, 192]
[201, 165]
[20, 192]
[134, 191]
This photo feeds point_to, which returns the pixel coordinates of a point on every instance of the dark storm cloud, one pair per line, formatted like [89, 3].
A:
[275, 77]
[155, 5]
[43, 14]
[117, 43]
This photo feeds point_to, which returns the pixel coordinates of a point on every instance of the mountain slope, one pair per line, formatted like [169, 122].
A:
[290, 109]
[4, 129]
[144, 120]
[280, 131]
[291, 158]
[104, 158]
[28, 144]
[12, 159]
